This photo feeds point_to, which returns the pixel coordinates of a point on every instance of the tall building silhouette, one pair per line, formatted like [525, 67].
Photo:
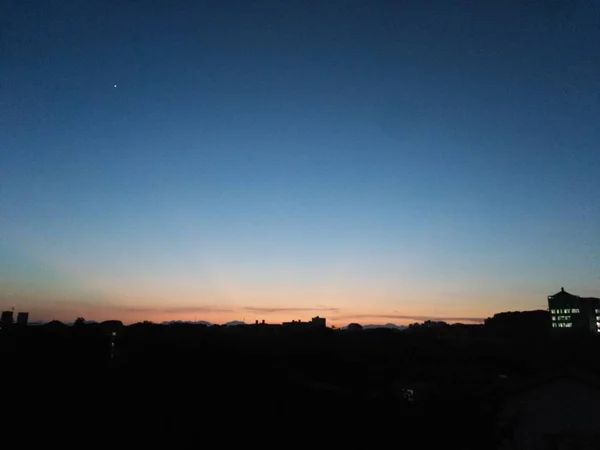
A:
[6, 318]
[22, 318]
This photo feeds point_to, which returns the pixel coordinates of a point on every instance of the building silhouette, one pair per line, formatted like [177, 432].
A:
[22, 318]
[319, 322]
[6, 319]
[572, 312]
[315, 322]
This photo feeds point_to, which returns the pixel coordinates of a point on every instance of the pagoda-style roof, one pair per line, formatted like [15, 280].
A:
[563, 293]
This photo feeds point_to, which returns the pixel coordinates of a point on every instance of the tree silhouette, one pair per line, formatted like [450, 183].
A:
[79, 321]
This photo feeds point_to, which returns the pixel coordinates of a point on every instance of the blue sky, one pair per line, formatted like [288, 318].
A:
[358, 159]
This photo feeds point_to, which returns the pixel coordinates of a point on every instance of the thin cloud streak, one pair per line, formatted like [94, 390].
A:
[404, 317]
[276, 309]
[176, 310]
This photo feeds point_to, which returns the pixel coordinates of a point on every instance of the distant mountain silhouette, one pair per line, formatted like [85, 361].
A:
[228, 324]
[190, 322]
[44, 322]
[387, 325]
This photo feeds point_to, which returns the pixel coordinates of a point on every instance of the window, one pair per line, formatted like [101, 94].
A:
[575, 310]
[553, 318]
[553, 325]
[568, 324]
[567, 311]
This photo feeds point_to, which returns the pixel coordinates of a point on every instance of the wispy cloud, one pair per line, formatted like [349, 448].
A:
[406, 317]
[277, 309]
[175, 309]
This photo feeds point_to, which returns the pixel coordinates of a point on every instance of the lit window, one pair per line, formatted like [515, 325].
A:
[598, 311]
[568, 324]
[553, 325]
[553, 317]
[567, 311]
[575, 310]
[553, 311]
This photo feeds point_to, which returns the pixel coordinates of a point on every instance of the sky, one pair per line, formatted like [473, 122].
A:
[366, 161]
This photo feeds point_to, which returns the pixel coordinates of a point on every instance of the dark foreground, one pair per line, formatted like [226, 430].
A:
[197, 386]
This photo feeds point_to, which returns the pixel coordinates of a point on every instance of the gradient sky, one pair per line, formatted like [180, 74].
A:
[370, 161]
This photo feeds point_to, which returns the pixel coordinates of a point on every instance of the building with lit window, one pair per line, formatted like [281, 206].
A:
[570, 311]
